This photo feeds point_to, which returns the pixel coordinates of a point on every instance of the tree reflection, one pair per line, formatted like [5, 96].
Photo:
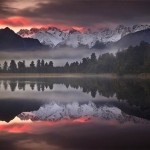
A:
[42, 86]
[21, 85]
[32, 85]
[93, 92]
[38, 86]
[13, 85]
[50, 86]
[5, 83]
[136, 92]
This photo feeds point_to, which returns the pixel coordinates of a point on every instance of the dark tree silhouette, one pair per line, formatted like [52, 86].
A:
[38, 65]
[32, 66]
[93, 58]
[5, 66]
[13, 66]
[21, 66]
[46, 68]
[51, 64]
[42, 63]
[66, 67]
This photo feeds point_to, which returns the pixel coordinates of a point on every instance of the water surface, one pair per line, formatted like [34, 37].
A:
[74, 113]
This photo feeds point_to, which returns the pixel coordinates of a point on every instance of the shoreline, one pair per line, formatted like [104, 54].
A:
[73, 75]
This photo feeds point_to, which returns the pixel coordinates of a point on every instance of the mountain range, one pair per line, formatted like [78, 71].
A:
[49, 38]
[92, 39]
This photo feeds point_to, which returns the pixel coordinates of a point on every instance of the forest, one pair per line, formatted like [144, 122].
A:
[133, 60]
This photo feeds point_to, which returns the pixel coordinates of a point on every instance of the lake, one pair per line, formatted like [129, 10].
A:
[74, 113]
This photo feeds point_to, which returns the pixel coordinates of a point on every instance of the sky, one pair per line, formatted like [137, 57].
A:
[79, 14]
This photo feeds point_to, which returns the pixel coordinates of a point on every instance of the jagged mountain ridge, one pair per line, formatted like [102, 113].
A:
[9, 40]
[54, 37]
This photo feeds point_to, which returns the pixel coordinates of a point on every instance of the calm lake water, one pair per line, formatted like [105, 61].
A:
[74, 113]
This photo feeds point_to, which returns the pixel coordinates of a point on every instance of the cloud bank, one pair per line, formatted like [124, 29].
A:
[80, 13]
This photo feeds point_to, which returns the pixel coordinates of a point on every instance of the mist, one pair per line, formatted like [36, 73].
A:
[59, 56]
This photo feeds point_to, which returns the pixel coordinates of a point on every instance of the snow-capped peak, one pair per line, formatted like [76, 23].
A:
[53, 36]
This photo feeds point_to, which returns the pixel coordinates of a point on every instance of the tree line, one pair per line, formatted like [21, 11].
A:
[132, 60]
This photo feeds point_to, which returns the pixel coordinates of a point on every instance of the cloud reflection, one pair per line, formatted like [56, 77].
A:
[70, 135]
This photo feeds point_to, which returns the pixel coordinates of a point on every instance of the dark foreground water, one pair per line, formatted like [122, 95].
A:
[74, 114]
